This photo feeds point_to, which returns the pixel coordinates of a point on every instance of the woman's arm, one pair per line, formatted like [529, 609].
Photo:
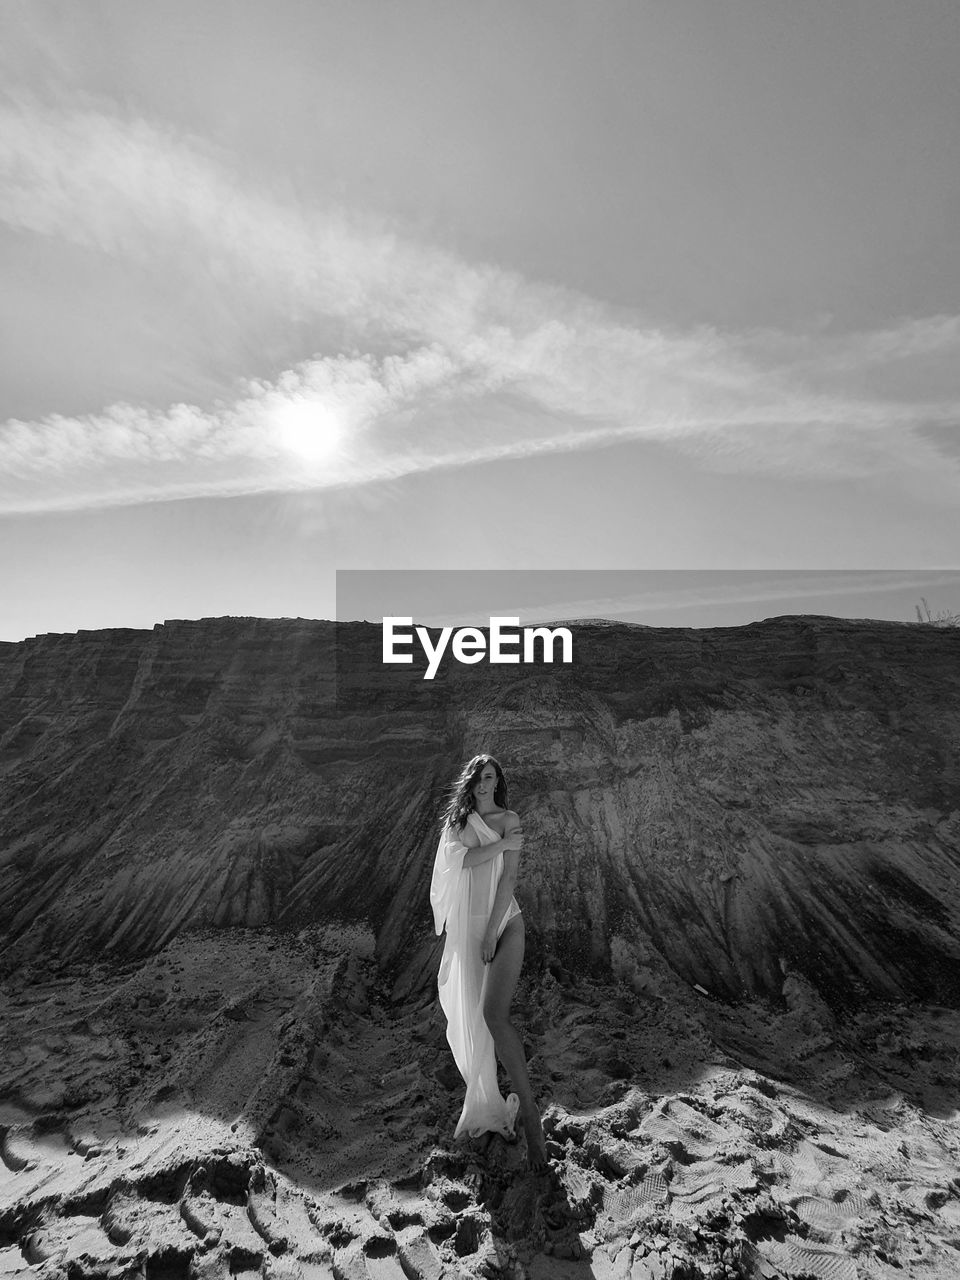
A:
[484, 852]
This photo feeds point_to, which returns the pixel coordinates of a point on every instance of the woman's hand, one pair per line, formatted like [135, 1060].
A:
[513, 841]
[488, 945]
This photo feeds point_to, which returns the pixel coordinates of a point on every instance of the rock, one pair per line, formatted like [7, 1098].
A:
[803, 999]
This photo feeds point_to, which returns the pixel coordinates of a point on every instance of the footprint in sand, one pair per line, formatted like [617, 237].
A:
[12, 1153]
[624, 1204]
[826, 1218]
[678, 1126]
[814, 1262]
[40, 1148]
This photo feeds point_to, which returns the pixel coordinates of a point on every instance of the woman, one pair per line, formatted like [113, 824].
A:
[472, 898]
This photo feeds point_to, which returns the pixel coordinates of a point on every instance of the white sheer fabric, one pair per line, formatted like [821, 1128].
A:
[462, 899]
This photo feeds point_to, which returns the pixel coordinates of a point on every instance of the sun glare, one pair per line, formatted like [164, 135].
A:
[308, 429]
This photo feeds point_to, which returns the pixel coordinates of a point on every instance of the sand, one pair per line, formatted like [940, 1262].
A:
[254, 1101]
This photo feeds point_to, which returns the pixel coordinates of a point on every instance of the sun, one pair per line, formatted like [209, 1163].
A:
[309, 429]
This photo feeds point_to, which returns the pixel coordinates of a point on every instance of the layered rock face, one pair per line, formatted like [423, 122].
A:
[723, 806]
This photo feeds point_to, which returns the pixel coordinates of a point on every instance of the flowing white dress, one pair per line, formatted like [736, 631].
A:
[462, 899]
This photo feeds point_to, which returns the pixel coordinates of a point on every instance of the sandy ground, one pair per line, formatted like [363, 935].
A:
[249, 1101]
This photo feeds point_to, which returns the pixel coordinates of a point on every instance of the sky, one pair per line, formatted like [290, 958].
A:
[292, 289]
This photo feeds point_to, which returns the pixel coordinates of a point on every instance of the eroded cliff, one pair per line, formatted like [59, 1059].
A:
[716, 805]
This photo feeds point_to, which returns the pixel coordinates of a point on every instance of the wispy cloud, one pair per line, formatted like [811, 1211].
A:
[429, 333]
[782, 589]
[447, 597]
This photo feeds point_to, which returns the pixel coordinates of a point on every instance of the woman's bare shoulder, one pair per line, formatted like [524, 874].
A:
[502, 821]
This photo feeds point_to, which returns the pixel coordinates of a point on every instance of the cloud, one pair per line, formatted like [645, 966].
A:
[429, 332]
[742, 587]
[243, 447]
[448, 597]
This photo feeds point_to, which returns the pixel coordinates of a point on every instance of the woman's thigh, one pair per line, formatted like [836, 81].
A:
[503, 971]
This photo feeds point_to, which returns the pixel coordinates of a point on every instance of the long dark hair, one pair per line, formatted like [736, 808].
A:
[461, 800]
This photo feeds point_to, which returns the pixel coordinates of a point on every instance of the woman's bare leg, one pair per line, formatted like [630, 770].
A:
[502, 975]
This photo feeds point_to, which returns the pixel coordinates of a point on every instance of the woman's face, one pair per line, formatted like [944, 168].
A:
[485, 786]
